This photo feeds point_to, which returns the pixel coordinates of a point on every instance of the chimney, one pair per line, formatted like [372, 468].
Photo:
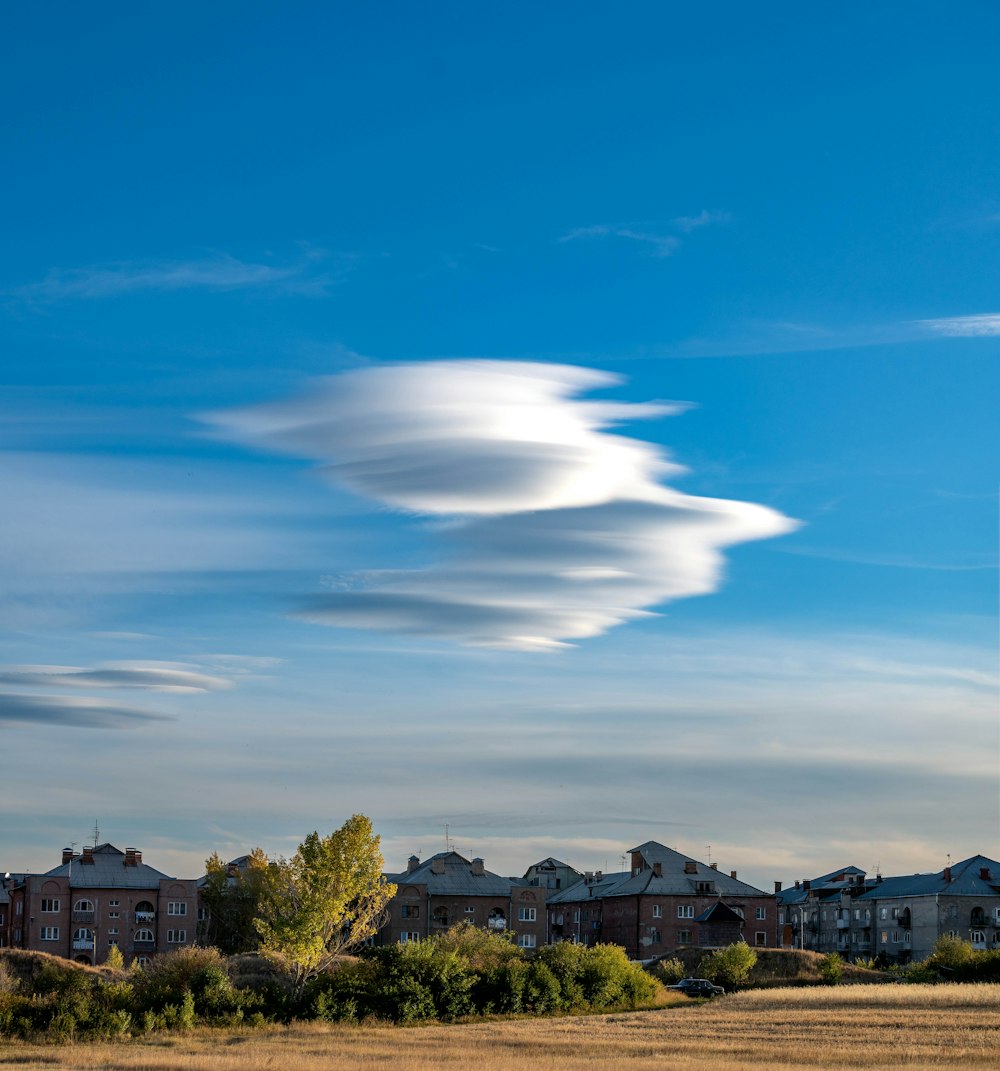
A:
[68, 854]
[984, 873]
[437, 865]
[798, 885]
[732, 874]
[947, 874]
[599, 875]
[806, 885]
[777, 887]
[657, 870]
[588, 876]
[412, 863]
[132, 857]
[690, 867]
[478, 867]
[88, 857]
[714, 866]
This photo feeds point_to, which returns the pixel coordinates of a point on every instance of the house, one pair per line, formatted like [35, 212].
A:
[97, 899]
[666, 901]
[434, 895]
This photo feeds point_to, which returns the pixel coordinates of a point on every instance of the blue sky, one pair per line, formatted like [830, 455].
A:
[574, 426]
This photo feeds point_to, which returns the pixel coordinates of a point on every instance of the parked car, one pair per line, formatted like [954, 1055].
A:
[698, 987]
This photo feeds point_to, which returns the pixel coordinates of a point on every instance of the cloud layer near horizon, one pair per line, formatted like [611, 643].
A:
[560, 530]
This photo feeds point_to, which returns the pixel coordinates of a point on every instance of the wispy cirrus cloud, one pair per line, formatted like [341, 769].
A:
[216, 272]
[661, 237]
[559, 529]
[68, 710]
[978, 326]
[152, 676]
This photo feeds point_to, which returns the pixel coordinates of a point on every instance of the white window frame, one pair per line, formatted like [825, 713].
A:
[527, 914]
[685, 911]
[49, 933]
[83, 904]
[760, 939]
[657, 911]
[761, 914]
[177, 937]
[143, 935]
[177, 907]
[526, 940]
[53, 903]
[406, 938]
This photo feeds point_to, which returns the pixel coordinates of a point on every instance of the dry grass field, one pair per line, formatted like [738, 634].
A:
[916, 1027]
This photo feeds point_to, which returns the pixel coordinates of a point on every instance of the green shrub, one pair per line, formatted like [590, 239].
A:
[831, 969]
[729, 966]
[669, 971]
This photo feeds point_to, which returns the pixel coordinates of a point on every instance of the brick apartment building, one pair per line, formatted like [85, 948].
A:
[97, 899]
[667, 901]
[434, 895]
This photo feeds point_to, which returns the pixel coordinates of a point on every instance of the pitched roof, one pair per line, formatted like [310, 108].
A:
[679, 876]
[965, 880]
[457, 878]
[108, 871]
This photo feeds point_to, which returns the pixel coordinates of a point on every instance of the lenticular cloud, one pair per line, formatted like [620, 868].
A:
[563, 530]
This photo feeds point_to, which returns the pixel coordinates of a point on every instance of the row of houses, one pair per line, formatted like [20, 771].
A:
[666, 901]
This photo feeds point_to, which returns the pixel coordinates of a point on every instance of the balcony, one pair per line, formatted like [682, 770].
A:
[843, 924]
[903, 922]
[83, 944]
[145, 916]
[83, 916]
[143, 946]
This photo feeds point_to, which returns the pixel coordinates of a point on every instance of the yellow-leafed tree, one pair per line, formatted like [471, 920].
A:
[328, 899]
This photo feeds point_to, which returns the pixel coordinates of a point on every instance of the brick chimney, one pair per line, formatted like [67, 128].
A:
[657, 870]
[947, 873]
[714, 866]
[806, 885]
[68, 854]
[732, 874]
[437, 866]
[88, 857]
[690, 867]
[984, 873]
[777, 887]
[599, 875]
[412, 863]
[131, 857]
[478, 867]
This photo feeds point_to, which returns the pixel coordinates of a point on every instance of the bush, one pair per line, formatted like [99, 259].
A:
[669, 971]
[832, 969]
[729, 966]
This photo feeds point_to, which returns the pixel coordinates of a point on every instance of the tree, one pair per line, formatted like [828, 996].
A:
[232, 895]
[729, 966]
[329, 898]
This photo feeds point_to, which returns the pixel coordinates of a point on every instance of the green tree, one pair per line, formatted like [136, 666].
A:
[831, 968]
[729, 966]
[232, 898]
[329, 898]
[115, 960]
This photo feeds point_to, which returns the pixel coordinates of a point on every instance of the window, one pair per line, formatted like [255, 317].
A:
[895, 937]
[525, 914]
[895, 912]
[761, 912]
[203, 914]
[996, 913]
[176, 937]
[410, 911]
[683, 937]
[177, 908]
[760, 938]
[595, 925]
[84, 905]
[883, 913]
[20, 907]
[50, 933]
[705, 886]
[586, 916]
[113, 932]
[857, 914]
[977, 937]
[112, 942]
[685, 911]
[884, 937]
[143, 961]
[112, 914]
[144, 935]
[654, 936]
[824, 914]
[906, 937]
[576, 915]
[114, 903]
[470, 910]
[50, 905]
[409, 938]
[868, 914]
[657, 911]
[527, 940]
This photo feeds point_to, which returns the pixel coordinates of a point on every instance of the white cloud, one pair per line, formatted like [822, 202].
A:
[661, 237]
[571, 529]
[153, 676]
[980, 326]
[216, 272]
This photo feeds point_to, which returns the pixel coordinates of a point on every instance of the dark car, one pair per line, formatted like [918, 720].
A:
[698, 987]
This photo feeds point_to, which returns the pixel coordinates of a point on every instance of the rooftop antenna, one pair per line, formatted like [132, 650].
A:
[708, 848]
[623, 862]
[97, 833]
[72, 852]
[447, 839]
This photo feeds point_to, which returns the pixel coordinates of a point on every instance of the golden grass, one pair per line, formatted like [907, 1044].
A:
[876, 1026]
